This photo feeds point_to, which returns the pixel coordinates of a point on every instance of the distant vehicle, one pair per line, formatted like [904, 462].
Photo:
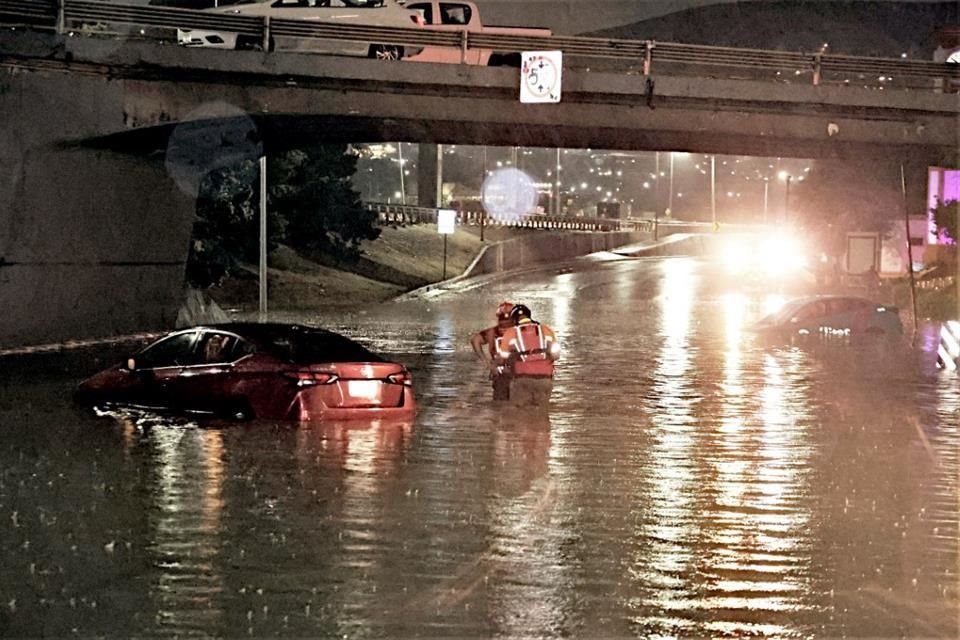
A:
[465, 16]
[832, 315]
[366, 13]
[242, 371]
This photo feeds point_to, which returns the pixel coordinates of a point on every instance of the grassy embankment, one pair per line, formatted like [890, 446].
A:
[400, 260]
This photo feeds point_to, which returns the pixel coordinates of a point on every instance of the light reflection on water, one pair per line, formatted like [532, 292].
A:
[688, 481]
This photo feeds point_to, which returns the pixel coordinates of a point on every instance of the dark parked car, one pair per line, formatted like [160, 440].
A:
[832, 315]
[248, 370]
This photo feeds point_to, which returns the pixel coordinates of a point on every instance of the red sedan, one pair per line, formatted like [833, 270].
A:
[249, 370]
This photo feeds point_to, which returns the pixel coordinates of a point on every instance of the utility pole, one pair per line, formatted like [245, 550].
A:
[713, 189]
[766, 192]
[403, 188]
[670, 196]
[262, 310]
[556, 183]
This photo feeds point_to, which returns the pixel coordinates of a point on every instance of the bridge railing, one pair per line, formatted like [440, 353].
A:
[644, 54]
[406, 214]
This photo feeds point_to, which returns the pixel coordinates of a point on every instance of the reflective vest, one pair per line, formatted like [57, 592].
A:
[529, 349]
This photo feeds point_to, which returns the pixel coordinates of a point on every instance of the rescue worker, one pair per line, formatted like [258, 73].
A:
[530, 349]
[485, 345]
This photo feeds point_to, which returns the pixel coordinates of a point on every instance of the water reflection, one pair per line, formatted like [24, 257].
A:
[528, 595]
[757, 562]
[187, 491]
[664, 556]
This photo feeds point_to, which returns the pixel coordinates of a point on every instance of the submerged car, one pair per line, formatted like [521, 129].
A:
[248, 370]
[832, 315]
[347, 13]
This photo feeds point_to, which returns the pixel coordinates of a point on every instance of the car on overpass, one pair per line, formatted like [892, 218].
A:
[462, 16]
[830, 316]
[242, 371]
[365, 13]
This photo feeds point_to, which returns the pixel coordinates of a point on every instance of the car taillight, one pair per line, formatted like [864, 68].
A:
[309, 378]
[403, 378]
[418, 20]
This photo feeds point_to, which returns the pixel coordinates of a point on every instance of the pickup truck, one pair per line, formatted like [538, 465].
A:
[465, 16]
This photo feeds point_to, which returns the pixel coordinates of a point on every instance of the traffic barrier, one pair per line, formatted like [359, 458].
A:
[61, 15]
[948, 351]
[408, 214]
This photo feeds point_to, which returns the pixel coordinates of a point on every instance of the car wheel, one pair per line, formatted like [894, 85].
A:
[386, 52]
[239, 412]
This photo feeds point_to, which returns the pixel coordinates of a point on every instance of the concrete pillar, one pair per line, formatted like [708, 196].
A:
[428, 171]
[92, 243]
[915, 174]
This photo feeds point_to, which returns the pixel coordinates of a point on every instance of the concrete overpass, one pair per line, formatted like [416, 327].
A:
[104, 141]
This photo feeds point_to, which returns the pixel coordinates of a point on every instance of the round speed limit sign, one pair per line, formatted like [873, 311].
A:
[540, 73]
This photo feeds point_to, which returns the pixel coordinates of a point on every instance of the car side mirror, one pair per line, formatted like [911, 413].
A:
[131, 364]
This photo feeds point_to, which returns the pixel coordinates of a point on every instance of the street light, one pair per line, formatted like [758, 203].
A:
[766, 191]
[786, 199]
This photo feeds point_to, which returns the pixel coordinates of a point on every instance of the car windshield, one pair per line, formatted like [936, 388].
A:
[784, 313]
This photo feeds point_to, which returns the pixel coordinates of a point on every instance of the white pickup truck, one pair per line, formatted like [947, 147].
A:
[440, 15]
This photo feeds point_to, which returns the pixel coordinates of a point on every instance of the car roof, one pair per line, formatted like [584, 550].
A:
[826, 296]
[265, 331]
[271, 336]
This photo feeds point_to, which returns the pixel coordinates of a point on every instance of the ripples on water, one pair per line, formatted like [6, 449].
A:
[688, 481]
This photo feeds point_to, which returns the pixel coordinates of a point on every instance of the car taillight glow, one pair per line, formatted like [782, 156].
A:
[403, 378]
[310, 378]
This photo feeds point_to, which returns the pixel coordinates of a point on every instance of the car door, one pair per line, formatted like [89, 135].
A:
[207, 383]
[808, 318]
[860, 313]
[157, 369]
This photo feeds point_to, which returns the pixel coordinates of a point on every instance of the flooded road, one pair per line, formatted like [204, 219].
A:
[689, 480]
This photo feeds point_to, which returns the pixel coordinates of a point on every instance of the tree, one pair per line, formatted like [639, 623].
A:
[837, 197]
[314, 194]
[311, 206]
[225, 224]
[946, 215]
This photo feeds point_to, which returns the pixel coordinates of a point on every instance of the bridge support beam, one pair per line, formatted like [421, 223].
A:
[92, 243]
[429, 175]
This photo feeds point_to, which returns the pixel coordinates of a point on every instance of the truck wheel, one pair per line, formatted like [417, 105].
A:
[385, 52]
[247, 43]
[504, 60]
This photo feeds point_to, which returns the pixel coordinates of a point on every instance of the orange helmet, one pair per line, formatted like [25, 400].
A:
[503, 311]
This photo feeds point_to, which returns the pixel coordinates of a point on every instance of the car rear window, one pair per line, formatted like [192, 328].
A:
[310, 347]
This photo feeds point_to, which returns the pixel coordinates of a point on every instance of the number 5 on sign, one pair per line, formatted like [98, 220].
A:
[540, 76]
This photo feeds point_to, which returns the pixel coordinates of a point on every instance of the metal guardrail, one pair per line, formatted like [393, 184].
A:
[406, 214]
[59, 14]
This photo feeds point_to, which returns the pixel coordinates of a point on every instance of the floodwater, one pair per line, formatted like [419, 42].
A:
[688, 481]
